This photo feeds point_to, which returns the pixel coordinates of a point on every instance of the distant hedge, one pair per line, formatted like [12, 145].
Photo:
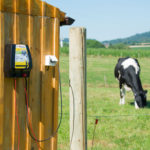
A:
[90, 43]
[113, 52]
[119, 52]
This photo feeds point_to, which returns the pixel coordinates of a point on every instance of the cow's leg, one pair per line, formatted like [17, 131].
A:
[122, 95]
[136, 105]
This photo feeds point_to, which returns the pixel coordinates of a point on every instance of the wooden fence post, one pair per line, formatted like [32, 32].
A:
[77, 73]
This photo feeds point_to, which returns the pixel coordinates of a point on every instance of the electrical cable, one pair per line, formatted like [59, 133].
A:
[17, 116]
[73, 113]
[28, 123]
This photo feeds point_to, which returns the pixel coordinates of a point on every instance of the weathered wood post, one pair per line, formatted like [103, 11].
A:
[77, 73]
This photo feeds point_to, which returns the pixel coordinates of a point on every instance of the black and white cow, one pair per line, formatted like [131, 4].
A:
[127, 71]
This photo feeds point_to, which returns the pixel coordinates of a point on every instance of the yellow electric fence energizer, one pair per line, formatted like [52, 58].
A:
[18, 61]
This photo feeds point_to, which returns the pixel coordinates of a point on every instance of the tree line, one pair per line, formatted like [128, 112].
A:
[92, 43]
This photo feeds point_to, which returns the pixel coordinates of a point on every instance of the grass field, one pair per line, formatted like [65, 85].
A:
[112, 133]
[133, 52]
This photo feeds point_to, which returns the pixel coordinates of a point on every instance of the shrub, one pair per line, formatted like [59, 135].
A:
[119, 46]
[94, 44]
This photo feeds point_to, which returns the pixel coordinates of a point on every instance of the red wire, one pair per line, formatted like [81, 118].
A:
[96, 122]
[30, 120]
[17, 117]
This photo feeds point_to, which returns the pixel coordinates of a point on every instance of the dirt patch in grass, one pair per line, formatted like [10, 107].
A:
[103, 143]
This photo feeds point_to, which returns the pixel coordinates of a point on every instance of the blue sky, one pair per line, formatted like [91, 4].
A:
[106, 19]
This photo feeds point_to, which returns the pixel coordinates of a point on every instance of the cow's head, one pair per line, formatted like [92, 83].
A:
[141, 99]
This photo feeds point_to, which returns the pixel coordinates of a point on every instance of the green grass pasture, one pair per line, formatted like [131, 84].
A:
[133, 52]
[115, 130]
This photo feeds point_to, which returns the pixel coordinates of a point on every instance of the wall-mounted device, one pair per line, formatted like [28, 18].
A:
[17, 61]
[50, 60]
[67, 21]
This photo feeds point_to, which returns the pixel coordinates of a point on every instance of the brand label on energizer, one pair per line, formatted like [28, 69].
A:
[21, 57]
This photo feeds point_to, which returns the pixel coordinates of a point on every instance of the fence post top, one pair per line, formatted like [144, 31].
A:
[77, 28]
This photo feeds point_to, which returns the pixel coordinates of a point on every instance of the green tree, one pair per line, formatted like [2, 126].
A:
[119, 46]
[66, 44]
[94, 44]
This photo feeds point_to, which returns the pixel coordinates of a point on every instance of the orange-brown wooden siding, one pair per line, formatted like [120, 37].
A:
[36, 24]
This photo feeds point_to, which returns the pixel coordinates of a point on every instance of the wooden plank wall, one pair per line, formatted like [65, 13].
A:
[31, 7]
[34, 23]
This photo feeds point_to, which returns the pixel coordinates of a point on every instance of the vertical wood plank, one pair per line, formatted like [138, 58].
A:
[22, 6]
[1, 79]
[28, 138]
[49, 10]
[7, 5]
[35, 76]
[46, 111]
[22, 24]
[55, 42]
[37, 7]
[9, 116]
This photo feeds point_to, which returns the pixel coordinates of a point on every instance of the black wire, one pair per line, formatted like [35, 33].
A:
[46, 139]
[73, 113]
